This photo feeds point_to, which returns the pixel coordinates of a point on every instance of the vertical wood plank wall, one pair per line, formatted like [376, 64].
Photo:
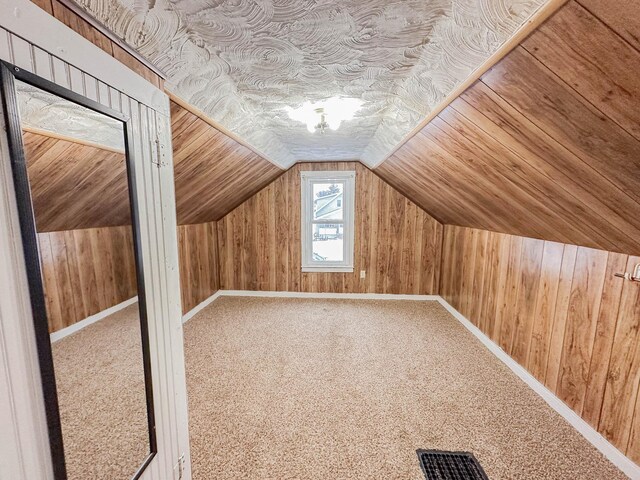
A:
[396, 242]
[85, 272]
[558, 310]
[198, 258]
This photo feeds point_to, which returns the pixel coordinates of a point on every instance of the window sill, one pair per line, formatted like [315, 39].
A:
[328, 269]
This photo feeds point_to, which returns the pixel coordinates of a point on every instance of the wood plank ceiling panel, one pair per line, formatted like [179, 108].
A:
[533, 89]
[547, 143]
[213, 172]
[580, 190]
[622, 16]
[572, 44]
[75, 185]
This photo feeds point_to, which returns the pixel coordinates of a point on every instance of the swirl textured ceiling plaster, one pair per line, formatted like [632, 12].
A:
[44, 111]
[242, 62]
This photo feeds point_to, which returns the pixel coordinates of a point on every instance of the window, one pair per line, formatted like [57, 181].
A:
[327, 221]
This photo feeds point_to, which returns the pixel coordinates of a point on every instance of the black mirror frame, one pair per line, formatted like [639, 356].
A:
[8, 74]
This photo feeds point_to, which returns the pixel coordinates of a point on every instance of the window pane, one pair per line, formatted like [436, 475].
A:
[328, 243]
[327, 201]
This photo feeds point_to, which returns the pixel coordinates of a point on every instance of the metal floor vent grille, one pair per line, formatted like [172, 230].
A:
[439, 465]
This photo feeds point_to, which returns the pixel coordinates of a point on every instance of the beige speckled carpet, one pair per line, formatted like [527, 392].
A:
[103, 410]
[349, 389]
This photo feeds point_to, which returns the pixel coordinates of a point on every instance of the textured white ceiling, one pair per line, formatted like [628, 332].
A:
[44, 111]
[242, 62]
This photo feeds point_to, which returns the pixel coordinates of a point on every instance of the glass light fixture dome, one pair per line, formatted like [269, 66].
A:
[325, 113]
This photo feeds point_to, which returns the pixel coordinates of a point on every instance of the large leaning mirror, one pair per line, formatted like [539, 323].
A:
[73, 178]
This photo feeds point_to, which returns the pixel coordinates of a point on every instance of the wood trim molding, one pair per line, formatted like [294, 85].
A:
[203, 116]
[80, 12]
[32, 24]
[537, 19]
[283, 294]
[66, 138]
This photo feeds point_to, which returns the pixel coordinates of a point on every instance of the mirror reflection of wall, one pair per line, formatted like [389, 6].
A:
[77, 172]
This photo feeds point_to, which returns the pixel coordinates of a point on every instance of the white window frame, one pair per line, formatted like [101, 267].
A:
[307, 180]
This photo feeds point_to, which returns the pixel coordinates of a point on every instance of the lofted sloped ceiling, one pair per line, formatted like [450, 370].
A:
[547, 143]
[245, 62]
[75, 185]
[75, 162]
[214, 173]
[79, 184]
[41, 110]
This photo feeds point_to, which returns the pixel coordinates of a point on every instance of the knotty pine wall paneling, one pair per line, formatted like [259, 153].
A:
[198, 251]
[396, 242]
[547, 143]
[85, 272]
[560, 312]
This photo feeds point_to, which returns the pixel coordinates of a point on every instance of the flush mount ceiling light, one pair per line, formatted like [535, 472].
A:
[326, 113]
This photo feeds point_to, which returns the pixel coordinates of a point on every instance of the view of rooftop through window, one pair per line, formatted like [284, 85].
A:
[328, 241]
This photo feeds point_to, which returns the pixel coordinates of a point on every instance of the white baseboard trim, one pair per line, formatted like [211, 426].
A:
[614, 455]
[187, 316]
[354, 296]
[260, 293]
[65, 332]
